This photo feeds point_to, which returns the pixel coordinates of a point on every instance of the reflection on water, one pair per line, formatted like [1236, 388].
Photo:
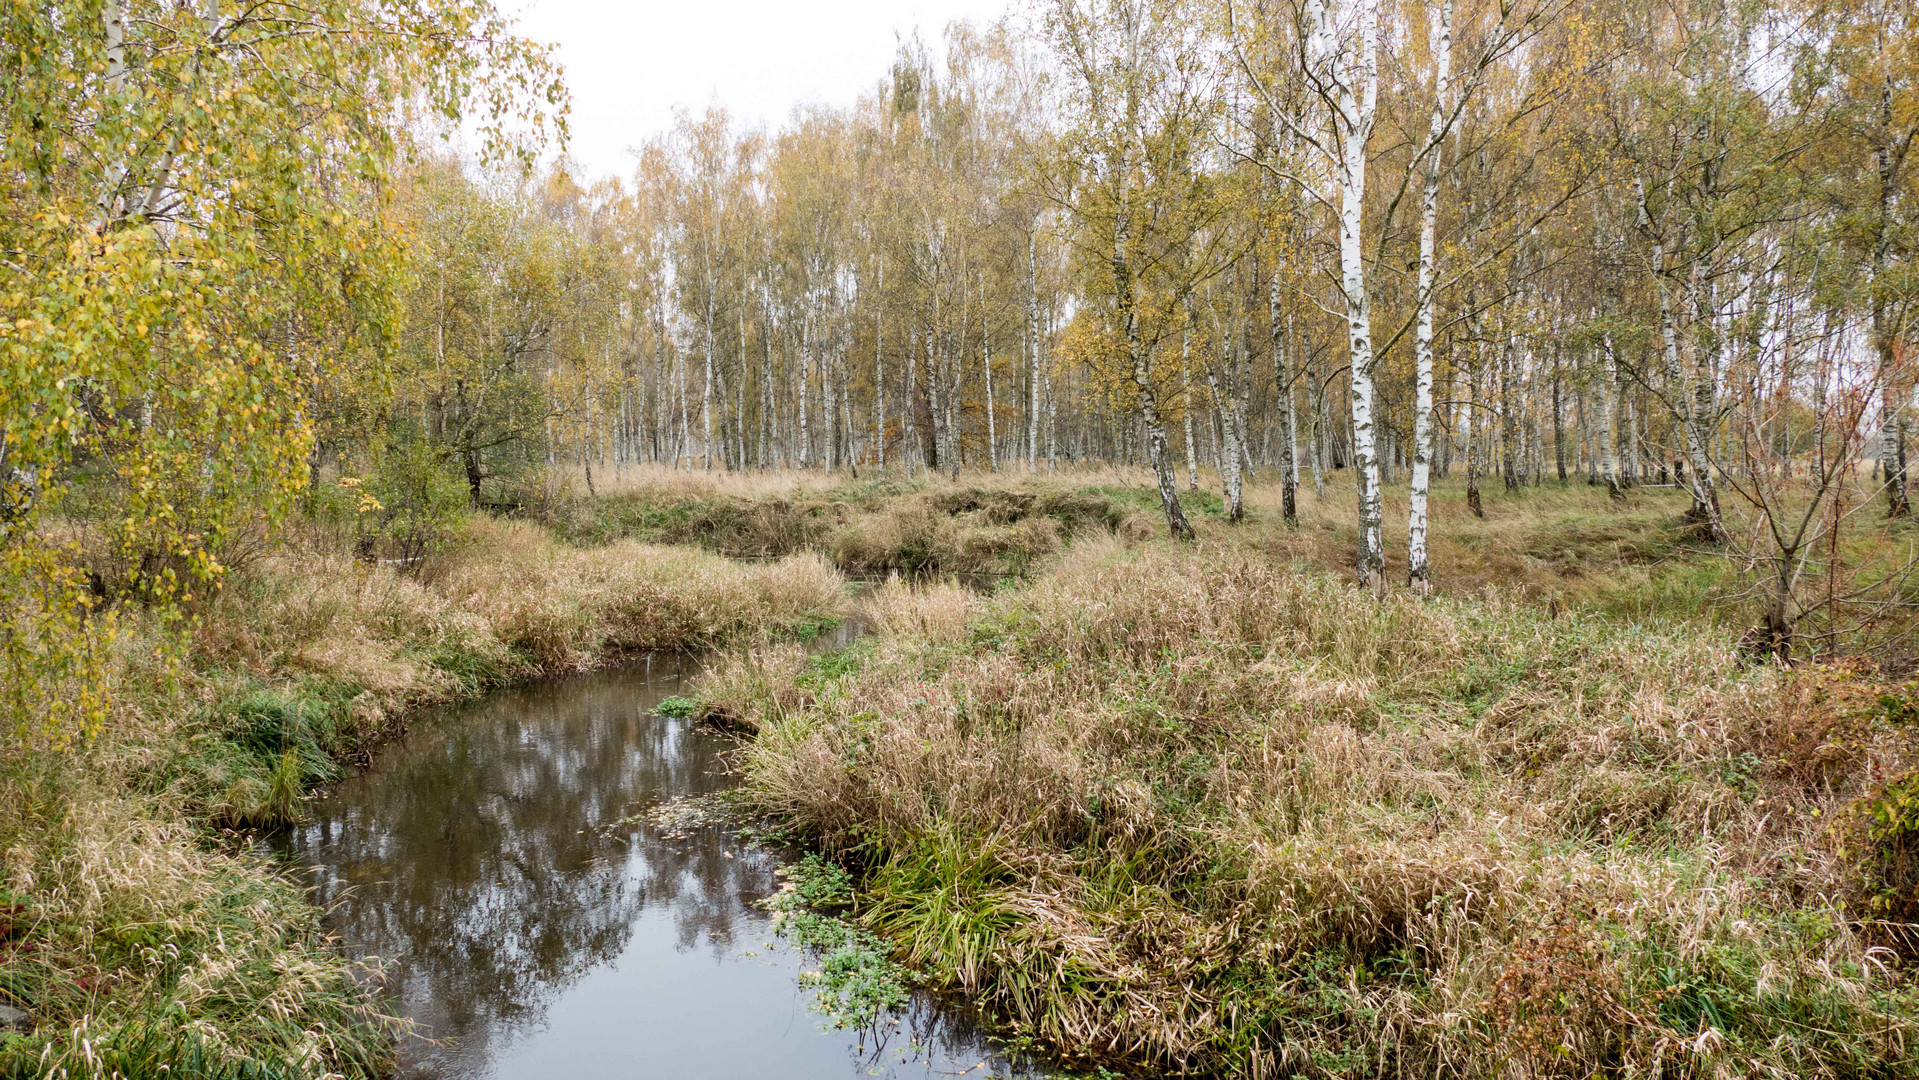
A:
[527, 936]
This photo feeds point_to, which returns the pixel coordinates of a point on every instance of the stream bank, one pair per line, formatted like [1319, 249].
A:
[531, 924]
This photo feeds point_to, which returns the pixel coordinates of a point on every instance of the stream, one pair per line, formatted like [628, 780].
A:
[526, 933]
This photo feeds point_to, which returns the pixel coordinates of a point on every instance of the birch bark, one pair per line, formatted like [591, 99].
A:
[1419, 565]
[1281, 329]
[1698, 478]
[879, 366]
[1355, 93]
[1033, 344]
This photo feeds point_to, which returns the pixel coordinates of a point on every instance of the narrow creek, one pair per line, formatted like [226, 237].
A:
[527, 934]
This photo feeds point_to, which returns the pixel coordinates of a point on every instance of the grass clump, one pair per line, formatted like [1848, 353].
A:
[677, 707]
[140, 950]
[1184, 809]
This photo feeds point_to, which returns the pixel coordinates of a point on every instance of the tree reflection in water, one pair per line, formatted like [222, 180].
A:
[475, 858]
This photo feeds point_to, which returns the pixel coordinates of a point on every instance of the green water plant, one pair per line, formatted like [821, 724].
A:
[857, 979]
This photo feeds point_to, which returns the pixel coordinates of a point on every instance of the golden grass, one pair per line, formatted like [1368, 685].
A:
[508, 594]
[1192, 809]
[937, 611]
[1570, 545]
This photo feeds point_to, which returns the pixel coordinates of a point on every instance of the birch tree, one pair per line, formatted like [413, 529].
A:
[1418, 563]
[1143, 94]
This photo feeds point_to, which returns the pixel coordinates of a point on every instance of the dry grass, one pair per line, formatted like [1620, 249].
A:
[938, 612]
[1193, 810]
[506, 596]
[1570, 546]
[651, 479]
[143, 952]
[985, 527]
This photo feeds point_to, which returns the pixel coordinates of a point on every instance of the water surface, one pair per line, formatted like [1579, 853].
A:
[527, 933]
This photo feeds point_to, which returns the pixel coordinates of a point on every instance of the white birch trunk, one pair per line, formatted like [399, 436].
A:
[1705, 503]
[1419, 567]
[910, 437]
[986, 359]
[1356, 107]
[1281, 329]
[114, 17]
[1033, 348]
[806, 361]
[1186, 384]
[879, 367]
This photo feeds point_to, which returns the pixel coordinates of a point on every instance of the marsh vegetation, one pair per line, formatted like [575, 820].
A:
[1384, 529]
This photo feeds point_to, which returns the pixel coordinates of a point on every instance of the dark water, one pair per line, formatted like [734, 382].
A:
[527, 934]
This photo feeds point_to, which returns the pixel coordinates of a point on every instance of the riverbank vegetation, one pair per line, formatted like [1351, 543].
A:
[145, 936]
[1197, 810]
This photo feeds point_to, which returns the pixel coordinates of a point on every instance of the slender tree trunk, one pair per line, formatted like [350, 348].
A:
[1316, 402]
[935, 407]
[766, 391]
[113, 17]
[1608, 422]
[806, 362]
[1508, 417]
[739, 399]
[1229, 474]
[1892, 423]
[1280, 328]
[910, 438]
[829, 414]
[1418, 560]
[1559, 421]
[1238, 382]
[1698, 480]
[1357, 95]
[1186, 387]
[1052, 417]
[952, 363]
[1628, 436]
[879, 366]
[706, 387]
[1141, 364]
[986, 361]
[848, 443]
[1033, 351]
[1469, 425]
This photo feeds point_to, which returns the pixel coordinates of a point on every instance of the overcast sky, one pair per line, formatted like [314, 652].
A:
[628, 64]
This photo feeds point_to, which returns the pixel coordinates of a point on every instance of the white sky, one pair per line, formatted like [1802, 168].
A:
[628, 64]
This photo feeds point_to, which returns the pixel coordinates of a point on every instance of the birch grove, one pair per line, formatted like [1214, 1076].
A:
[1405, 243]
[1390, 244]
